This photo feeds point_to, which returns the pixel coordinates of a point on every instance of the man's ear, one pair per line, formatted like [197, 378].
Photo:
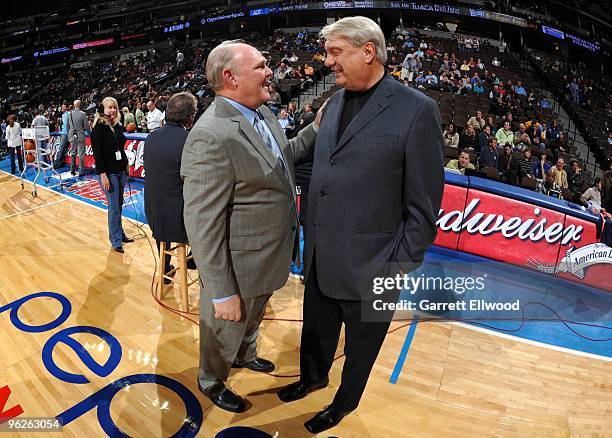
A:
[369, 52]
[229, 79]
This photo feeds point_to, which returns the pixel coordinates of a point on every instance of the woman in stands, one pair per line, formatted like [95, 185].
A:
[508, 166]
[14, 142]
[108, 141]
[468, 139]
[575, 180]
[451, 137]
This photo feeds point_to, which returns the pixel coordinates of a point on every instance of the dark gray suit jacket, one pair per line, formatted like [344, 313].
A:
[77, 125]
[240, 208]
[375, 193]
[163, 193]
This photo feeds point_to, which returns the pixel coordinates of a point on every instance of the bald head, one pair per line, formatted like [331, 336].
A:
[77, 104]
[239, 72]
[223, 57]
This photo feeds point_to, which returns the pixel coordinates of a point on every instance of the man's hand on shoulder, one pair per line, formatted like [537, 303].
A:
[320, 114]
[229, 310]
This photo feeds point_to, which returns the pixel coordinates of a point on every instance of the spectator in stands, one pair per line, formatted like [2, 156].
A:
[14, 142]
[478, 88]
[553, 131]
[549, 186]
[62, 148]
[525, 165]
[544, 104]
[606, 188]
[180, 59]
[575, 91]
[464, 67]
[139, 117]
[431, 80]
[575, 179]
[560, 174]
[505, 135]
[480, 65]
[306, 118]
[462, 163]
[468, 139]
[153, 117]
[508, 166]
[559, 145]
[285, 120]
[450, 136]
[275, 99]
[483, 139]
[107, 140]
[518, 89]
[541, 166]
[282, 72]
[496, 62]
[521, 139]
[489, 157]
[3, 125]
[128, 117]
[309, 71]
[592, 196]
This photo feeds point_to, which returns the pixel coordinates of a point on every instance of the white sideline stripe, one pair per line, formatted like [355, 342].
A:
[32, 209]
[73, 198]
[532, 342]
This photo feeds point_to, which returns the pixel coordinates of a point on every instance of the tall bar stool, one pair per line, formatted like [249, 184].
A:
[178, 274]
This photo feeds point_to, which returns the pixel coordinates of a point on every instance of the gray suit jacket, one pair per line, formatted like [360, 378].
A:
[240, 209]
[77, 124]
[375, 192]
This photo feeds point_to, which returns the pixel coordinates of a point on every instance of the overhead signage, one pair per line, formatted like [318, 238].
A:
[51, 51]
[96, 43]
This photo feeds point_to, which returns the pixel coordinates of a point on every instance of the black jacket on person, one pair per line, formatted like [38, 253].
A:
[163, 193]
[105, 144]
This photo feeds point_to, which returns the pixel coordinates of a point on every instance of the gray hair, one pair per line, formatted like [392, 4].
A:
[181, 106]
[359, 31]
[219, 59]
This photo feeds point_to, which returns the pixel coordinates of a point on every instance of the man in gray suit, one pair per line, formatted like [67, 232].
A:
[77, 125]
[240, 213]
[374, 196]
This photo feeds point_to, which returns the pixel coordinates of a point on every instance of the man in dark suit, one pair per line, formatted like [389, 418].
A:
[375, 193]
[163, 184]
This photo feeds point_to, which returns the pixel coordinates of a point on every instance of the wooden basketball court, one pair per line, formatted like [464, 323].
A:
[456, 381]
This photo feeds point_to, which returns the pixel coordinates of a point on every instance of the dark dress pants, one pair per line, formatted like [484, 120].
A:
[323, 319]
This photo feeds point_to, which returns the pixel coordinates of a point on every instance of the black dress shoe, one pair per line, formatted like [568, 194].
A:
[223, 397]
[298, 390]
[119, 249]
[126, 239]
[326, 419]
[260, 365]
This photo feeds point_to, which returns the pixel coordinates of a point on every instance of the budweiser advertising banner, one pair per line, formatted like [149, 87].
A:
[494, 225]
[524, 234]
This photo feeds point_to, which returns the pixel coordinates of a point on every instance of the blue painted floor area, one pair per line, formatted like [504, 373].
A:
[86, 189]
[571, 301]
[551, 310]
